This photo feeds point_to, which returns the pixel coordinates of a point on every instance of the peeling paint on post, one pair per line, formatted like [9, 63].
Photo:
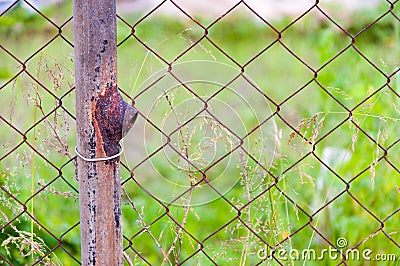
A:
[100, 113]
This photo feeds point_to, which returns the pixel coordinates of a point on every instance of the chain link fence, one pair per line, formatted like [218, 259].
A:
[258, 141]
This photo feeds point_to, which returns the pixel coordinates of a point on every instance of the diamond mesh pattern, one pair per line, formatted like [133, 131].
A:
[181, 241]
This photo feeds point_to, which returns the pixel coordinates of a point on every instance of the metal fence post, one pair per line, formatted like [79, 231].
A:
[100, 113]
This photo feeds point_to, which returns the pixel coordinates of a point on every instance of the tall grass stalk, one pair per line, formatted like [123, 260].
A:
[33, 152]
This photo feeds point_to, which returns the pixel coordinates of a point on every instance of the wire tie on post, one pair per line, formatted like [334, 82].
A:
[121, 150]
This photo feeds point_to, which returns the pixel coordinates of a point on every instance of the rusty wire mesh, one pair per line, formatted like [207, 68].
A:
[184, 239]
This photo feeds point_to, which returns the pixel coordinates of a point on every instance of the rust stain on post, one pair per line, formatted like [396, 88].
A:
[101, 116]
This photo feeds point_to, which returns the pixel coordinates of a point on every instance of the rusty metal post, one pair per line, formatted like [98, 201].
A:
[100, 116]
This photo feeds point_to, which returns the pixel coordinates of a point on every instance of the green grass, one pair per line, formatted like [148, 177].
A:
[347, 151]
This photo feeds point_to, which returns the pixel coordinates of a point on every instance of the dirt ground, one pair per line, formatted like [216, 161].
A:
[268, 9]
